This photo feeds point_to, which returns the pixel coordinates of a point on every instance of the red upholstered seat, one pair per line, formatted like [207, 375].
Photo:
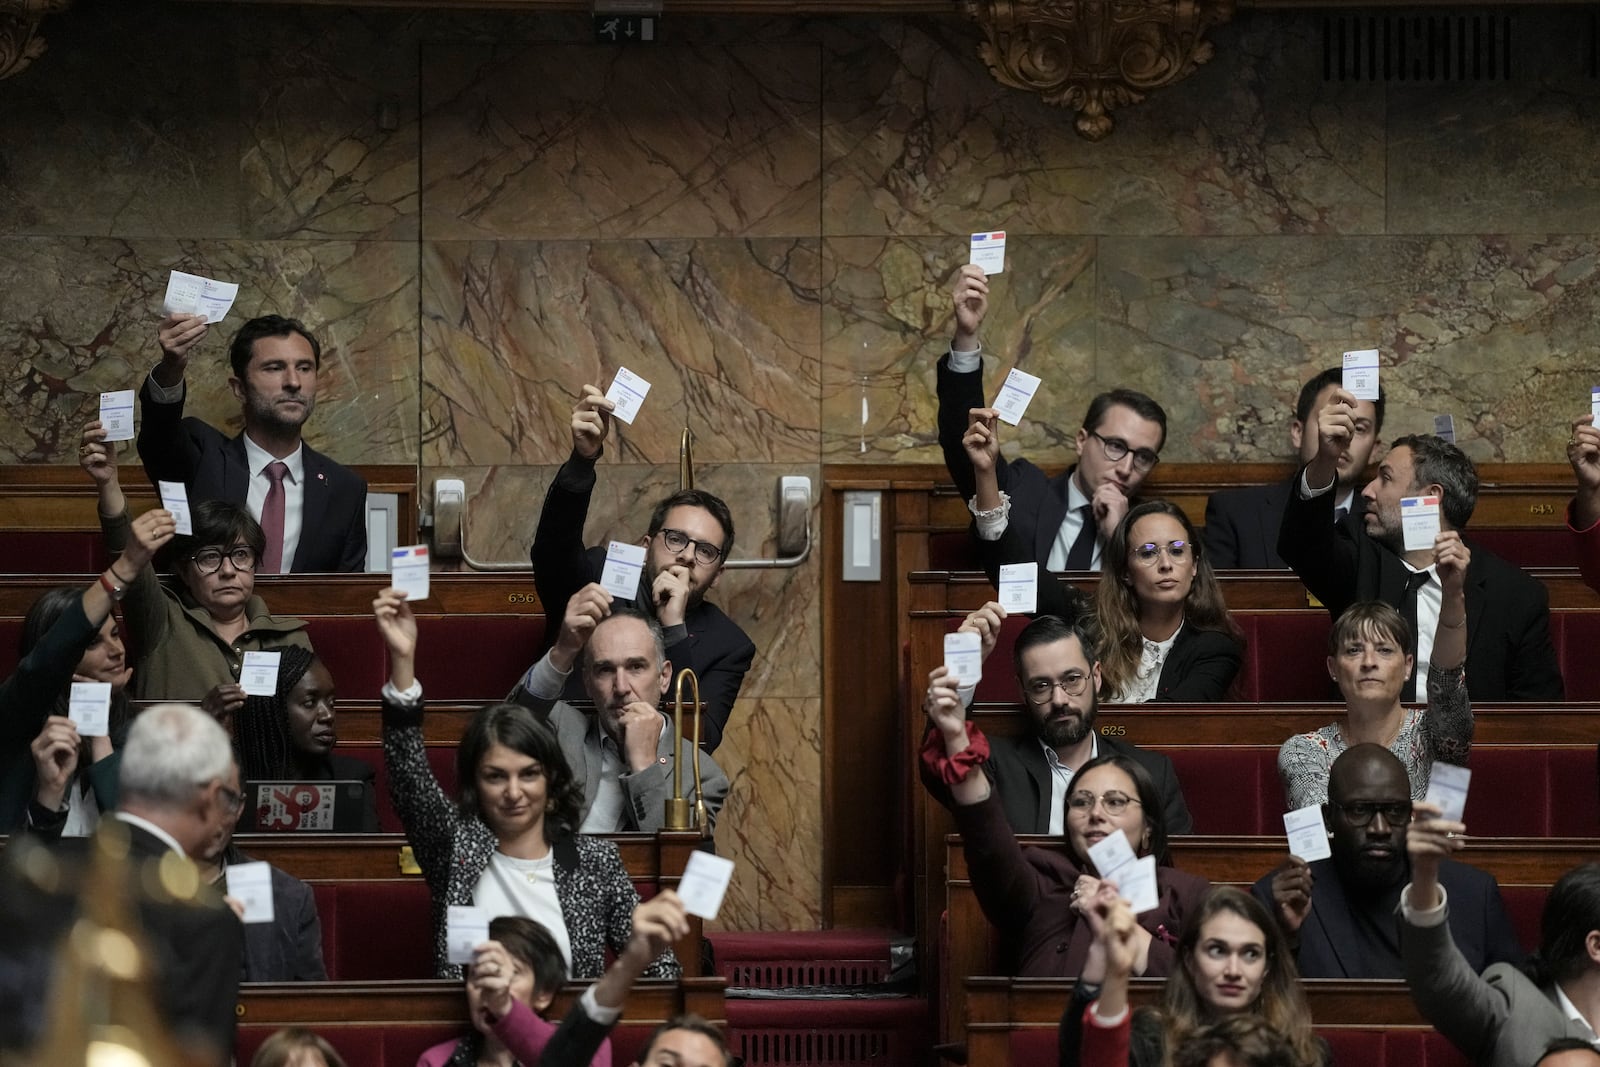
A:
[53, 551]
[1576, 636]
[375, 930]
[1533, 792]
[353, 652]
[1286, 655]
[1525, 906]
[1230, 789]
[1550, 546]
[476, 657]
[442, 758]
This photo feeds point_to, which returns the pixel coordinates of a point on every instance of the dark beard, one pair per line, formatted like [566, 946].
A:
[1058, 733]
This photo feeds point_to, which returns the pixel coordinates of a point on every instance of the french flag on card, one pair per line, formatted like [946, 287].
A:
[989, 251]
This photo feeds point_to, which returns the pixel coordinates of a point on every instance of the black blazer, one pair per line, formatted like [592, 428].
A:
[1021, 779]
[289, 948]
[1038, 502]
[196, 950]
[1333, 943]
[1509, 654]
[1242, 526]
[333, 525]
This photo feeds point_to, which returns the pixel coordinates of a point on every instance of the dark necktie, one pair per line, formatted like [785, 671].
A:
[1081, 556]
[1408, 610]
[1339, 514]
[272, 518]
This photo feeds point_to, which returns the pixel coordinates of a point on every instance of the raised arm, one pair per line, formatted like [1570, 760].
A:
[559, 566]
[165, 450]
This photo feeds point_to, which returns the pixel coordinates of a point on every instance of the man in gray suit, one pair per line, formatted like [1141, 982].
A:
[1506, 1017]
[623, 751]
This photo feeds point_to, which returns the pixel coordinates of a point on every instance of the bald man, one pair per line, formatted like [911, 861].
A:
[1339, 913]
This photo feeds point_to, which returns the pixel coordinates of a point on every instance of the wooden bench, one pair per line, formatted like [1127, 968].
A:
[1373, 1023]
[1525, 870]
[390, 1024]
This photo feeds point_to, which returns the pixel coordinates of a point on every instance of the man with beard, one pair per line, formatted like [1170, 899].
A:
[623, 752]
[1242, 524]
[1030, 773]
[312, 509]
[687, 543]
[1509, 656]
[1339, 913]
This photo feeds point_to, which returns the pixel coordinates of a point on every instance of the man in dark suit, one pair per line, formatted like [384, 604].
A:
[1242, 524]
[1064, 520]
[1339, 913]
[174, 800]
[1059, 679]
[1509, 654]
[688, 541]
[313, 510]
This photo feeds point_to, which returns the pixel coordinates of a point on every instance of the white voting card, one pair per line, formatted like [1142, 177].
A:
[963, 657]
[624, 565]
[89, 708]
[190, 294]
[989, 251]
[1361, 374]
[1111, 853]
[116, 414]
[1447, 787]
[1444, 427]
[1136, 882]
[1419, 520]
[1019, 587]
[1015, 395]
[704, 882]
[408, 571]
[175, 498]
[466, 927]
[1308, 834]
[251, 885]
[1594, 403]
[259, 675]
[627, 391]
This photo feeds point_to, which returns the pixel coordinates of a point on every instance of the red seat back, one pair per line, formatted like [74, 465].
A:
[1576, 636]
[53, 551]
[442, 758]
[376, 930]
[1286, 655]
[1556, 791]
[1230, 789]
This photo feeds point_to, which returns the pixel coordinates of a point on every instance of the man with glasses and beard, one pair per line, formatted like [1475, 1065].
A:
[1340, 913]
[688, 541]
[1058, 676]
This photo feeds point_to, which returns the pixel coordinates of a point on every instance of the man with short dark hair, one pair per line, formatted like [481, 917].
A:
[623, 752]
[1339, 913]
[1061, 522]
[689, 539]
[1059, 678]
[1242, 524]
[1504, 1017]
[313, 510]
[1509, 654]
[177, 795]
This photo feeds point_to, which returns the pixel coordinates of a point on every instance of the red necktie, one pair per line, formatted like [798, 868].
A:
[272, 518]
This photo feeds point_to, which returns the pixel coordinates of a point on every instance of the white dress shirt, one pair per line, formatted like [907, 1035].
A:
[1060, 779]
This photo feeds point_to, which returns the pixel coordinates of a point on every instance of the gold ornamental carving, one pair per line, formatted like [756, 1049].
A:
[1095, 56]
[20, 42]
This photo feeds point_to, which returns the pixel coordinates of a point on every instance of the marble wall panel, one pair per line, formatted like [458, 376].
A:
[329, 124]
[725, 332]
[79, 316]
[919, 138]
[585, 142]
[128, 128]
[771, 825]
[1498, 331]
[888, 319]
[779, 609]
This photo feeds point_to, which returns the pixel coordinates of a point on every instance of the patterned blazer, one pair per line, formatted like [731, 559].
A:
[453, 850]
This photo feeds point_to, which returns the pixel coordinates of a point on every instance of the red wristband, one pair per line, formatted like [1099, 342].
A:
[952, 769]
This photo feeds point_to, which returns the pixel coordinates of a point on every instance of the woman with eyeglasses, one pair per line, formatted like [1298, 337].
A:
[190, 640]
[1037, 897]
[1165, 629]
[1368, 658]
[1233, 963]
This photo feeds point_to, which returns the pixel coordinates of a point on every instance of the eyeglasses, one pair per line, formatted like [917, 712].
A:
[1114, 802]
[705, 552]
[1040, 690]
[1362, 813]
[1148, 553]
[209, 560]
[232, 798]
[1115, 448]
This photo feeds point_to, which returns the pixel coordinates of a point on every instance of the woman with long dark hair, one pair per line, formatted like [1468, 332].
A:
[508, 843]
